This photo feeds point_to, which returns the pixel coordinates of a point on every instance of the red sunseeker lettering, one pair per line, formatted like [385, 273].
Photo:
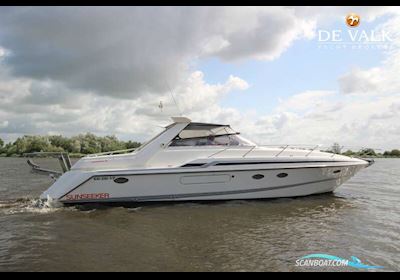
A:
[87, 196]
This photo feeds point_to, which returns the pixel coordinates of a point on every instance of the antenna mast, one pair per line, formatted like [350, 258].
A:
[173, 98]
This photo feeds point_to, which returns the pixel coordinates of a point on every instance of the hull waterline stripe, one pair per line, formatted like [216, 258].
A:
[200, 170]
[204, 170]
[222, 163]
[194, 195]
[276, 162]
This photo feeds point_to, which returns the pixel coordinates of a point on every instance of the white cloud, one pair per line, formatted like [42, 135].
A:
[105, 70]
[3, 124]
[360, 81]
[260, 32]
[305, 101]
[133, 51]
[42, 109]
[379, 80]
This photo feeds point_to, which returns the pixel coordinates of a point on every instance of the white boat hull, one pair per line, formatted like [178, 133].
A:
[194, 186]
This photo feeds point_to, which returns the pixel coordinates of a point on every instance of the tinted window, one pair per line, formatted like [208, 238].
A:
[223, 140]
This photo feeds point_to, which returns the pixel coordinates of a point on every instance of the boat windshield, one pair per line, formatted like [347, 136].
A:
[221, 140]
[209, 135]
[201, 130]
[149, 141]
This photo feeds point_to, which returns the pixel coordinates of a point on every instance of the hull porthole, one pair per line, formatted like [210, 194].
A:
[282, 175]
[121, 180]
[258, 176]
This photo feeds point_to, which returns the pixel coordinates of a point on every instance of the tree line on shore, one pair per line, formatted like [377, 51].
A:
[372, 153]
[79, 145]
[365, 152]
[89, 143]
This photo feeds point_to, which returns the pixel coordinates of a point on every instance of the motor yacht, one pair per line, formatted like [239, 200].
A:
[191, 161]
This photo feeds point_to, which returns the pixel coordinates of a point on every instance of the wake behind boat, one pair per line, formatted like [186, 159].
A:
[192, 161]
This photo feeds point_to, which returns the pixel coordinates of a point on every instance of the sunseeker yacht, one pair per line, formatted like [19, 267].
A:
[190, 161]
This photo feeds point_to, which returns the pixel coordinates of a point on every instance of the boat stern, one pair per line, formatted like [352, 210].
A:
[65, 184]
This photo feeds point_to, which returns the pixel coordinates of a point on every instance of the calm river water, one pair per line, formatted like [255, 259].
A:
[362, 219]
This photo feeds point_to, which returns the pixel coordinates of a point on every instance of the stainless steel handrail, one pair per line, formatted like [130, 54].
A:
[216, 153]
[255, 146]
[312, 150]
[284, 148]
[63, 158]
[112, 152]
[249, 151]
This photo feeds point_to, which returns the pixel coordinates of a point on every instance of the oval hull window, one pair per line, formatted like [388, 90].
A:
[121, 180]
[258, 176]
[336, 171]
[282, 175]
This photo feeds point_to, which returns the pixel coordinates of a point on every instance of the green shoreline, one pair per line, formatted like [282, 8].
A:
[21, 156]
[87, 144]
[76, 146]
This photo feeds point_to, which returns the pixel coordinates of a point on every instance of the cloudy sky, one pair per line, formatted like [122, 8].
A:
[264, 70]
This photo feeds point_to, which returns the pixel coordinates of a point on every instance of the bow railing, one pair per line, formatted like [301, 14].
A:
[282, 148]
